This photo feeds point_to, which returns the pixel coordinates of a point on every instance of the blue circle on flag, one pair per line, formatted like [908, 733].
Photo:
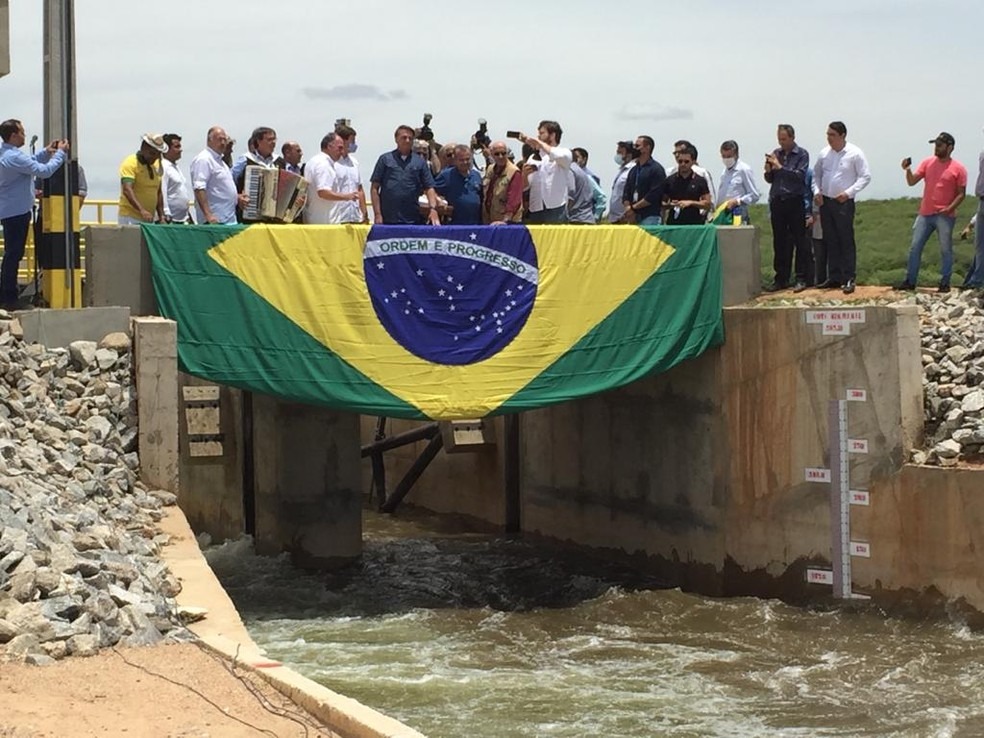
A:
[452, 294]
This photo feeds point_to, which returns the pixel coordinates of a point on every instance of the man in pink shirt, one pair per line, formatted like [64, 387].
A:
[946, 186]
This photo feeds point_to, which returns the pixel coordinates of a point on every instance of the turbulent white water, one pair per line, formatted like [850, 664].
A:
[471, 636]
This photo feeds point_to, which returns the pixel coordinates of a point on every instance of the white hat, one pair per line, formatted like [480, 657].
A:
[155, 141]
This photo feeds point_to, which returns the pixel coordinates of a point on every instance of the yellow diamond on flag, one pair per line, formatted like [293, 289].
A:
[316, 278]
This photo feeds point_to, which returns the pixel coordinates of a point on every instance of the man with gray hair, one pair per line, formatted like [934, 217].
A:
[325, 198]
[461, 186]
[216, 198]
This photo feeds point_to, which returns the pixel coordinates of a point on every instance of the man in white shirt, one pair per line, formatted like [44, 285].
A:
[737, 189]
[174, 184]
[840, 173]
[326, 200]
[350, 177]
[625, 155]
[548, 173]
[215, 191]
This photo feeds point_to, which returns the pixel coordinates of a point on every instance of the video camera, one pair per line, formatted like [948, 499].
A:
[481, 138]
[426, 134]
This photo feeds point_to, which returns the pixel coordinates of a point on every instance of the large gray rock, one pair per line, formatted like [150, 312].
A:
[83, 354]
[973, 402]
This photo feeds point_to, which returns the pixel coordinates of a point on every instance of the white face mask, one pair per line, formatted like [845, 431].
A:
[728, 161]
[618, 160]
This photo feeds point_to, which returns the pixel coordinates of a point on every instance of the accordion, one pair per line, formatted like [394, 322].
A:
[275, 195]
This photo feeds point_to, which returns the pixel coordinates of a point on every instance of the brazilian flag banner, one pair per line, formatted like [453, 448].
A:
[436, 322]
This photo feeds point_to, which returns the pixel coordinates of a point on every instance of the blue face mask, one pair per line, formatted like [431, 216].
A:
[353, 147]
[618, 160]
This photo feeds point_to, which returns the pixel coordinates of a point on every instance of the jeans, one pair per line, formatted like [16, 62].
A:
[14, 239]
[975, 276]
[651, 220]
[922, 229]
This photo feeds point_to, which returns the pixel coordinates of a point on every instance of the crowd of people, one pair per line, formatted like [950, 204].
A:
[423, 182]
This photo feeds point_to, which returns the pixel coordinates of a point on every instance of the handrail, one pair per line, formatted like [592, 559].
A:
[103, 209]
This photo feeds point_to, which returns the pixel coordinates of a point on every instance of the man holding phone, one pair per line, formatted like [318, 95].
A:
[549, 176]
[17, 173]
[945, 189]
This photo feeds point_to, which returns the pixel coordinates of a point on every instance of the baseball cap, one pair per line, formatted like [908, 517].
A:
[944, 137]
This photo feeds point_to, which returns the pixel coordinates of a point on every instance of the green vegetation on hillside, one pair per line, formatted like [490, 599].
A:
[883, 231]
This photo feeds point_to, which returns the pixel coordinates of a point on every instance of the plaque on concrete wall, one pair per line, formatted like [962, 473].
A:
[203, 420]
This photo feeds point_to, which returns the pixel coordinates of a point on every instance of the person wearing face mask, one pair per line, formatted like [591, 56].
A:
[625, 156]
[737, 189]
[347, 168]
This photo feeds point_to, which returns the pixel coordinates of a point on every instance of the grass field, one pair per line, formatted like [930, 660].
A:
[883, 231]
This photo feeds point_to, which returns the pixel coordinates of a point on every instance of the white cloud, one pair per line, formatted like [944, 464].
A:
[644, 111]
[353, 91]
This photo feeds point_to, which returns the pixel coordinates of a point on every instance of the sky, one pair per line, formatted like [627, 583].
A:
[897, 72]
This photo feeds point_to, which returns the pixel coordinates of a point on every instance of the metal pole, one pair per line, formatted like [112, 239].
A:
[68, 117]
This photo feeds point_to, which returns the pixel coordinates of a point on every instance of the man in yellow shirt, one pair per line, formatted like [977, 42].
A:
[140, 183]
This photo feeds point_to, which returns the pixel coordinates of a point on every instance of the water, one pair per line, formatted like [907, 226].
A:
[467, 635]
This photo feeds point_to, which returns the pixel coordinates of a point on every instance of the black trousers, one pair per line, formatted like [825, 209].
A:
[14, 240]
[819, 260]
[789, 238]
[837, 221]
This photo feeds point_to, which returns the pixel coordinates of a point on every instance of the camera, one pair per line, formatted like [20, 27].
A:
[481, 137]
[343, 122]
[426, 134]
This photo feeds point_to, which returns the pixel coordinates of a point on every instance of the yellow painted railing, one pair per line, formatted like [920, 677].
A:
[94, 212]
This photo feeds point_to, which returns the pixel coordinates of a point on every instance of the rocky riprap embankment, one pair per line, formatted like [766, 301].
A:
[953, 377]
[78, 532]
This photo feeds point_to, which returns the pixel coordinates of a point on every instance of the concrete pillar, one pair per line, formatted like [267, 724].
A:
[155, 363]
[740, 264]
[910, 376]
[306, 482]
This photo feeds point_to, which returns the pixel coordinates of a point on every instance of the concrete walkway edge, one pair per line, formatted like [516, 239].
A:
[223, 633]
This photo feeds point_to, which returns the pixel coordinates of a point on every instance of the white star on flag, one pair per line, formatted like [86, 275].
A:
[420, 272]
[473, 237]
[380, 265]
[508, 293]
[450, 278]
[460, 287]
[440, 293]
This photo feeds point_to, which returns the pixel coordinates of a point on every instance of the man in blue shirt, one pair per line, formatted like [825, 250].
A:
[17, 173]
[398, 180]
[461, 186]
[785, 171]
